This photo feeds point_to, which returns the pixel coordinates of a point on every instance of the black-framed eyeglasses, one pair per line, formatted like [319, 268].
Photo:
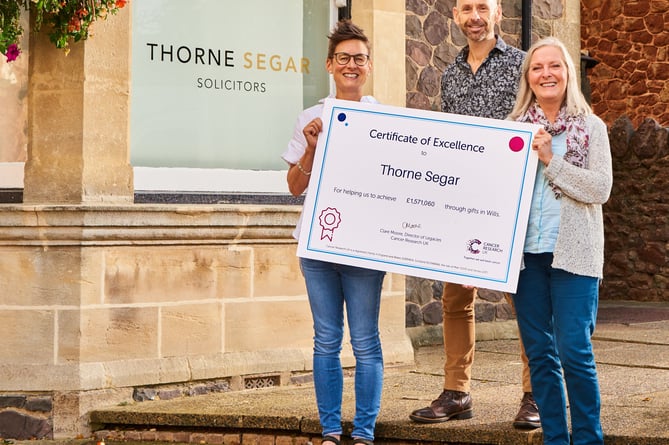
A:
[344, 58]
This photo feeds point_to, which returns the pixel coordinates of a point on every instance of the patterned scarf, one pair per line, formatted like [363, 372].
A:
[577, 138]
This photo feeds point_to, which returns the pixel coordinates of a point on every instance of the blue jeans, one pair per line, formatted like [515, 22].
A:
[556, 312]
[330, 286]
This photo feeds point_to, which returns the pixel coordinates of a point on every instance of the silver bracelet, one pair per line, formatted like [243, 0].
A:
[300, 168]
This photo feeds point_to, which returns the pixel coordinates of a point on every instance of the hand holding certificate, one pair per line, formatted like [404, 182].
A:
[421, 193]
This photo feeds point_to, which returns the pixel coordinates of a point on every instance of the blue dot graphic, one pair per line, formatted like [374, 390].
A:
[341, 117]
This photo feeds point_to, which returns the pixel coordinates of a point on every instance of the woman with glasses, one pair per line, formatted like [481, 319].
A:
[331, 286]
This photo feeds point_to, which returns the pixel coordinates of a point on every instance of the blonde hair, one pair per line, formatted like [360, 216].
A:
[574, 99]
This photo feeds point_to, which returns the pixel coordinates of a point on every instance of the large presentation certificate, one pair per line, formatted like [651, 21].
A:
[420, 193]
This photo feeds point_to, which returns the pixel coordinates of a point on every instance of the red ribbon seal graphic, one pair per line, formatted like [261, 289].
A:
[329, 219]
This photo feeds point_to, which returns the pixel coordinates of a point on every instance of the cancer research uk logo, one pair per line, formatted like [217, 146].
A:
[473, 246]
[476, 246]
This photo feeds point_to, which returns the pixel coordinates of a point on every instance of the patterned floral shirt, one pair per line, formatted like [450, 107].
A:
[491, 92]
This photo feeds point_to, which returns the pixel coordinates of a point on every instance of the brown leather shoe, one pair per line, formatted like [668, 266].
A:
[449, 405]
[528, 415]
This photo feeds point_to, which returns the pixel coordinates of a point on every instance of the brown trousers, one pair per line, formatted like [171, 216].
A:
[460, 337]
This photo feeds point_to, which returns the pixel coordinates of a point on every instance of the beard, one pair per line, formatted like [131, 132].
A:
[477, 36]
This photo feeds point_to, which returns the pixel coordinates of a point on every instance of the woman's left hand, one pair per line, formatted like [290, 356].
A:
[543, 145]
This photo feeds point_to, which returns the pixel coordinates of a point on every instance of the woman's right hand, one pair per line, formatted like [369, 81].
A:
[299, 173]
[311, 132]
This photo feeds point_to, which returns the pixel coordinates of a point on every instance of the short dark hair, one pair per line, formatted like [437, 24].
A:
[345, 30]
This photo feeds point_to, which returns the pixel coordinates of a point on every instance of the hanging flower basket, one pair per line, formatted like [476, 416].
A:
[67, 20]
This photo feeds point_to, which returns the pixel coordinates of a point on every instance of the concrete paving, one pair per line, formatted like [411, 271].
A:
[632, 352]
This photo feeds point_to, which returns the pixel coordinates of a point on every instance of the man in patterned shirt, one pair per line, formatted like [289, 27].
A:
[482, 81]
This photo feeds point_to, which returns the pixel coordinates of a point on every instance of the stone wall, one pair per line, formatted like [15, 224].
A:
[26, 416]
[152, 296]
[630, 41]
[637, 214]
[424, 314]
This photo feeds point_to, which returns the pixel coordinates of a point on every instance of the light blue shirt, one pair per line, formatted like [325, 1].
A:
[544, 222]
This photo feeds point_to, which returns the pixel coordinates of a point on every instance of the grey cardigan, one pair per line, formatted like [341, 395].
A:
[579, 247]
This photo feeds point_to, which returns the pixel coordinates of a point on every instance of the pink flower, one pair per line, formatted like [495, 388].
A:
[13, 52]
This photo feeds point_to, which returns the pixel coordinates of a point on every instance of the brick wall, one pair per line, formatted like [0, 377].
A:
[630, 92]
[630, 41]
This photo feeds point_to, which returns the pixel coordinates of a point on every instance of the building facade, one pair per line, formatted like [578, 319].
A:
[103, 294]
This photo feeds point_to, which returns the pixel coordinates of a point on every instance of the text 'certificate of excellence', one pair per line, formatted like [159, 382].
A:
[420, 193]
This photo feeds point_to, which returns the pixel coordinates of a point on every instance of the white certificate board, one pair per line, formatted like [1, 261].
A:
[420, 193]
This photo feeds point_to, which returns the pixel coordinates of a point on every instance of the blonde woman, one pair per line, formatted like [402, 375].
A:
[557, 296]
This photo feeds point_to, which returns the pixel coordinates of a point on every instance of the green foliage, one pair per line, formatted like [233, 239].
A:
[10, 25]
[66, 20]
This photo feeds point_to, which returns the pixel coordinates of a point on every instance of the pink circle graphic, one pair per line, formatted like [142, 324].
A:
[516, 143]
